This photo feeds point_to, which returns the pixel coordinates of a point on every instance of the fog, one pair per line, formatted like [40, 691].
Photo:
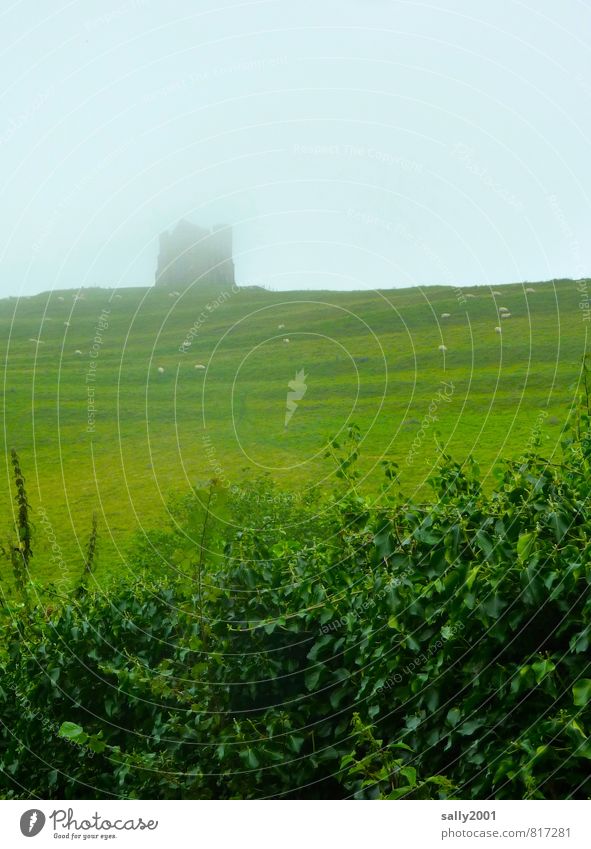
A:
[349, 144]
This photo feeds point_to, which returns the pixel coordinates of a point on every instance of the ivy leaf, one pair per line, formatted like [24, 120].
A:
[542, 668]
[410, 773]
[469, 727]
[484, 543]
[559, 525]
[250, 758]
[493, 606]
[453, 716]
[71, 731]
[312, 678]
[582, 692]
[525, 545]
[383, 542]
[580, 642]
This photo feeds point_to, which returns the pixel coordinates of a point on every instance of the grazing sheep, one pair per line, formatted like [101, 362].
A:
[442, 348]
[505, 315]
[59, 297]
[470, 295]
[445, 315]
[66, 323]
[286, 340]
[280, 326]
[503, 309]
[199, 365]
[78, 352]
[497, 294]
[160, 370]
[530, 290]
[37, 341]
[118, 296]
[498, 330]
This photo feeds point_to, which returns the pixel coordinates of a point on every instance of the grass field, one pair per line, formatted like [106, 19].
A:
[105, 429]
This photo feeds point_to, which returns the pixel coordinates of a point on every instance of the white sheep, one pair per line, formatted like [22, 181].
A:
[199, 365]
[498, 330]
[445, 315]
[280, 326]
[160, 370]
[286, 340]
[470, 295]
[66, 323]
[37, 341]
[503, 309]
[505, 315]
[118, 296]
[497, 294]
[530, 290]
[78, 352]
[59, 297]
[442, 348]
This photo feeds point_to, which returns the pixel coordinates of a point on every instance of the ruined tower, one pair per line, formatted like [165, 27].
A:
[190, 254]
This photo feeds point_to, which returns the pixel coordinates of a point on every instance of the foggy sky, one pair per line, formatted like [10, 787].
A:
[350, 144]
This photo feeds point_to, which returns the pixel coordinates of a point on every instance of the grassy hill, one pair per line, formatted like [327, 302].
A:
[105, 405]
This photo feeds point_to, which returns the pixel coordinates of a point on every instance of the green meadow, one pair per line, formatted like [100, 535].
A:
[117, 399]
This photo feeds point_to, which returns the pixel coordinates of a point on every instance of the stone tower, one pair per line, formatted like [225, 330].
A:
[190, 254]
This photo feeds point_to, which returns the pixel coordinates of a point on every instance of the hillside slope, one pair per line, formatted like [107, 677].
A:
[106, 407]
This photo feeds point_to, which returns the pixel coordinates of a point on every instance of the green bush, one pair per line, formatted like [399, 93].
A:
[396, 651]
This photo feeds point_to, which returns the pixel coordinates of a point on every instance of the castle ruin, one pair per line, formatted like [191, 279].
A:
[190, 254]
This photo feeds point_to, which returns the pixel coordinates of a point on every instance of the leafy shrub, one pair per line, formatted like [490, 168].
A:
[397, 651]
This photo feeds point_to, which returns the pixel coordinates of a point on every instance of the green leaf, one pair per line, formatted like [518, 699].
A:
[337, 696]
[493, 606]
[582, 692]
[96, 744]
[584, 751]
[559, 525]
[312, 678]
[296, 742]
[542, 668]
[525, 545]
[580, 642]
[426, 537]
[469, 727]
[383, 542]
[410, 773]
[453, 716]
[250, 758]
[71, 731]
[484, 543]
